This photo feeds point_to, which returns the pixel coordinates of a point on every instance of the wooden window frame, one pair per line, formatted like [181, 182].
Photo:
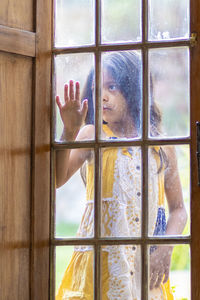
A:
[97, 241]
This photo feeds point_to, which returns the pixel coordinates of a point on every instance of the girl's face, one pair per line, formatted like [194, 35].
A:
[114, 105]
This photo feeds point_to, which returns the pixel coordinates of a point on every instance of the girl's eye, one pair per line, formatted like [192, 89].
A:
[112, 87]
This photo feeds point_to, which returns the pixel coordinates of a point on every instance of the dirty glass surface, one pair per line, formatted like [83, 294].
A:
[74, 206]
[68, 262]
[169, 92]
[123, 264]
[121, 192]
[74, 23]
[121, 94]
[168, 19]
[174, 259]
[169, 190]
[79, 68]
[121, 21]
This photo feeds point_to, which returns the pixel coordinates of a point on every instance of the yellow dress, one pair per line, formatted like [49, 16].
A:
[121, 217]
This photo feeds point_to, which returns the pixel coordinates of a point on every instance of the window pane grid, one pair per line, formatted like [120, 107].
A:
[144, 20]
[144, 241]
[144, 149]
[129, 46]
[103, 144]
[97, 183]
[98, 22]
[121, 241]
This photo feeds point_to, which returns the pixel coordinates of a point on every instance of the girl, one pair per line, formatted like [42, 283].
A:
[121, 185]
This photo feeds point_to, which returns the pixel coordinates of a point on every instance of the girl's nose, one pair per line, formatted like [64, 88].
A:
[105, 95]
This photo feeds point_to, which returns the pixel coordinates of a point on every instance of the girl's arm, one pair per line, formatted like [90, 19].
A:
[73, 114]
[161, 258]
[173, 191]
[68, 161]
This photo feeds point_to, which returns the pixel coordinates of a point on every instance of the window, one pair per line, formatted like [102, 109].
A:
[164, 51]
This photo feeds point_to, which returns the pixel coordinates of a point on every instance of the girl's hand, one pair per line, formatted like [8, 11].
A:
[160, 261]
[72, 112]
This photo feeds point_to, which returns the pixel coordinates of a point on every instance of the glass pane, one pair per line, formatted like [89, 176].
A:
[121, 21]
[169, 190]
[176, 261]
[168, 19]
[121, 272]
[77, 192]
[74, 272]
[169, 92]
[79, 68]
[122, 94]
[74, 23]
[121, 192]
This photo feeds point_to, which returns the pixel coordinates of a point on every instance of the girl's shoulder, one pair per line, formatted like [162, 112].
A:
[172, 164]
[87, 132]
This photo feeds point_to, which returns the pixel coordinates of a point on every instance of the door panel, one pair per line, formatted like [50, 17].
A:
[15, 174]
[24, 143]
[17, 14]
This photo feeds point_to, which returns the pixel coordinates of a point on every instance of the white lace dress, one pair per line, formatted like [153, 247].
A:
[121, 217]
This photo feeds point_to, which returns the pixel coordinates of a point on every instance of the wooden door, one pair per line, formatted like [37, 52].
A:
[25, 42]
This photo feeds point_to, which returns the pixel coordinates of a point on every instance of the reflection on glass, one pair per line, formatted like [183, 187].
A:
[169, 92]
[168, 19]
[122, 94]
[79, 68]
[74, 23]
[169, 190]
[74, 272]
[121, 21]
[121, 191]
[169, 272]
[121, 272]
[77, 192]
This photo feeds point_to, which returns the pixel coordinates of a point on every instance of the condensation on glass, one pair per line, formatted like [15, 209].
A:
[176, 259]
[77, 67]
[123, 264]
[75, 206]
[169, 92]
[121, 192]
[70, 282]
[169, 189]
[168, 19]
[121, 94]
[121, 21]
[74, 23]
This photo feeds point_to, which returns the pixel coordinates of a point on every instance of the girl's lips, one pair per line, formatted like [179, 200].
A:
[106, 108]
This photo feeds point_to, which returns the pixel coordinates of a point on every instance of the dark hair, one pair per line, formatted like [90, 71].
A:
[126, 70]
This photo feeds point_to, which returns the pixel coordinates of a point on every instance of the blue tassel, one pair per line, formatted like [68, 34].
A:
[160, 227]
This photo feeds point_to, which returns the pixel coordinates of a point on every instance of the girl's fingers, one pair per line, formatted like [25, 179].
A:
[58, 102]
[166, 276]
[66, 96]
[71, 90]
[84, 108]
[77, 94]
[159, 280]
[153, 280]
